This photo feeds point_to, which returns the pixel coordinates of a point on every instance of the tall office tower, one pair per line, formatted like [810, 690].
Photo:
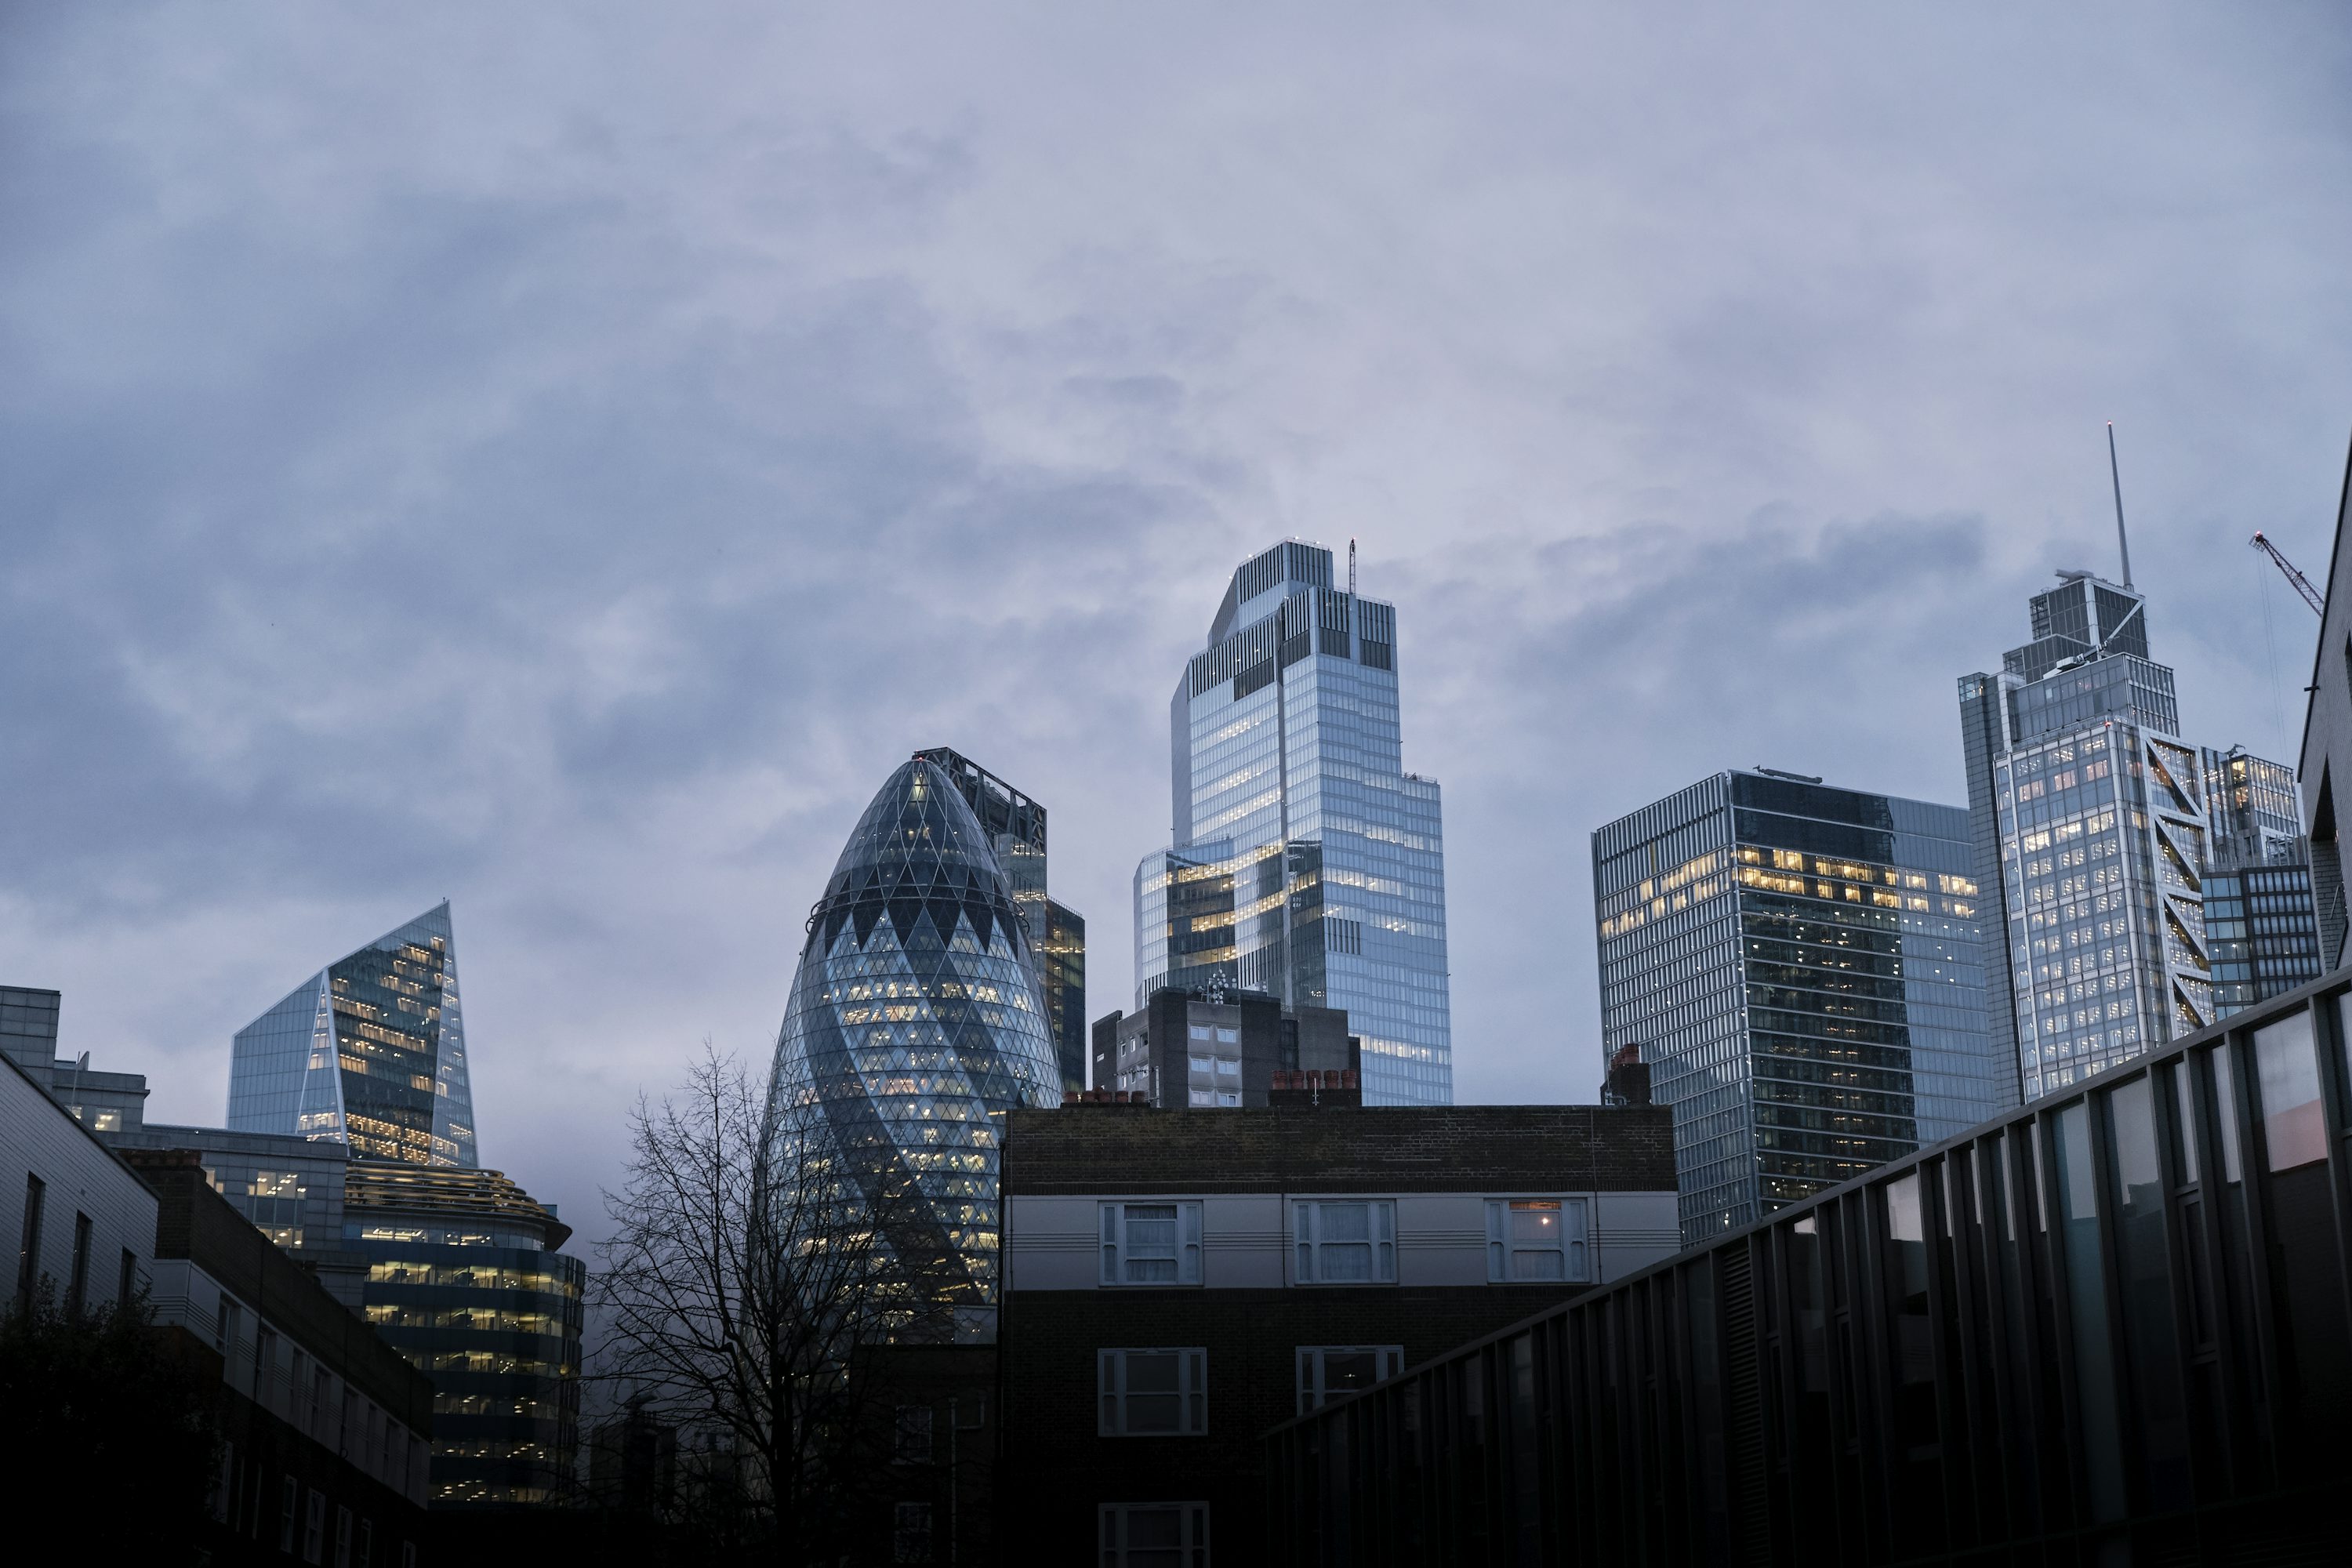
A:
[2261, 927]
[1801, 967]
[370, 1052]
[916, 1016]
[2095, 827]
[1015, 826]
[1307, 862]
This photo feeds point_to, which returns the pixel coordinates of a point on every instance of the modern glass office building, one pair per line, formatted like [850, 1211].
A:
[1305, 862]
[1015, 825]
[465, 1279]
[916, 1014]
[2096, 829]
[369, 1052]
[1801, 967]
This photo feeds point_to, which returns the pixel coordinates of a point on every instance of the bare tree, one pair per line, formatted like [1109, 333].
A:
[744, 1269]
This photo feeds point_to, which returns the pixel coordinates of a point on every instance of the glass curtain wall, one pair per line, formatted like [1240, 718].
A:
[1308, 863]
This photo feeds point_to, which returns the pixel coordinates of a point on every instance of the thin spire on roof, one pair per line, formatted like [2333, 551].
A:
[2122, 541]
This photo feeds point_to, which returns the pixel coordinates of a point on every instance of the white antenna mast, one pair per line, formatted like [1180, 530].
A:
[1351, 569]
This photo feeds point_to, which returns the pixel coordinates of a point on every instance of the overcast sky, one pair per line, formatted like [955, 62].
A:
[562, 459]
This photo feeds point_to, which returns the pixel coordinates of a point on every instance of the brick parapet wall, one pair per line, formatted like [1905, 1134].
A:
[1338, 1149]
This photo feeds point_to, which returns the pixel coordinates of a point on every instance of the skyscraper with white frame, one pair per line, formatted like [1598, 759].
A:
[2096, 829]
[1306, 861]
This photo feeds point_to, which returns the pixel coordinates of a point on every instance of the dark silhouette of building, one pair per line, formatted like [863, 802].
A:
[632, 1461]
[2110, 1327]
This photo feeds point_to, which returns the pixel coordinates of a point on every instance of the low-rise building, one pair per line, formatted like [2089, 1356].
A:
[290, 1189]
[1178, 1283]
[77, 1224]
[326, 1431]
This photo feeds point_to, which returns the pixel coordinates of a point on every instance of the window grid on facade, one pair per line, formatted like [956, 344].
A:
[914, 1434]
[1152, 1392]
[1155, 1534]
[1535, 1239]
[1150, 1243]
[1327, 1371]
[1348, 1241]
[910, 1533]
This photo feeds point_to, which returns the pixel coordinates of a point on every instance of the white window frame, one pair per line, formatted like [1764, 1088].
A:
[1313, 1394]
[1575, 1248]
[1112, 1416]
[1192, 1532]
[1309, 1222]
[910, 1533]
[1115, 1251]
[912, 1434]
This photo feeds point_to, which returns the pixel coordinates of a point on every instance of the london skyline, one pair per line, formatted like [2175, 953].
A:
[402, 508]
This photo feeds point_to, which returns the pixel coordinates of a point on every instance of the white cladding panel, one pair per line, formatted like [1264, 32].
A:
[1632, 1230]
[79, 1176]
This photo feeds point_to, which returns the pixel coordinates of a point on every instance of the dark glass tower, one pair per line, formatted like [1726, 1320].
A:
[916, 1016]
[1015, 825]
[370, 1051]
[1800, 968]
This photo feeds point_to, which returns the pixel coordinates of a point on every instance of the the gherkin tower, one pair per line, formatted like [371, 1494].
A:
[914, 1015]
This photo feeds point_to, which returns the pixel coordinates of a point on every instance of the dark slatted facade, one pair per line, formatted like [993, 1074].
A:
[2111, 1327]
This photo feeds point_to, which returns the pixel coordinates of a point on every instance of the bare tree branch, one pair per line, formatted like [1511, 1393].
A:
[744, 1268]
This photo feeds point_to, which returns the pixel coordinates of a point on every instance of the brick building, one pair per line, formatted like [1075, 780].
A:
[1178, 1283]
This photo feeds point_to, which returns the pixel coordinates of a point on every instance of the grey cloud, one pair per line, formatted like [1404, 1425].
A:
[561, 461]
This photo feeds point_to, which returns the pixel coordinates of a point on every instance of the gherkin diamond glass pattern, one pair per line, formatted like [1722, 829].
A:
[916, 1014]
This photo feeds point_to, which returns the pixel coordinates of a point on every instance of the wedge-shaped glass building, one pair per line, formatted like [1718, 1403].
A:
[915, 1015]
[369, 1052]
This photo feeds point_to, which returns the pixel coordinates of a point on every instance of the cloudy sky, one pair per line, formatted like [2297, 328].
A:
[562, 459]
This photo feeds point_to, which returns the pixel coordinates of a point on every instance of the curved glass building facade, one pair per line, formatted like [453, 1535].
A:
[464, 1280]
[916, 1014]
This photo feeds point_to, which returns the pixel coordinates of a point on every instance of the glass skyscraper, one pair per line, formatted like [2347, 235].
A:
[2096, 830]
[1015, 825]
[1802, 969]
[370, 1052]
[457, 1267]
[2262, 926]
[916, 1014]
[1307, 863]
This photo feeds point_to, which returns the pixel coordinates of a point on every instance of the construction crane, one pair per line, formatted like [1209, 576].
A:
[2302, 583]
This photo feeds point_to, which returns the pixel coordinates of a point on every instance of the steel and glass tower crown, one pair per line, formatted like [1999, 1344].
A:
[916, 1014]
[1307, 862]
[369, 1052]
